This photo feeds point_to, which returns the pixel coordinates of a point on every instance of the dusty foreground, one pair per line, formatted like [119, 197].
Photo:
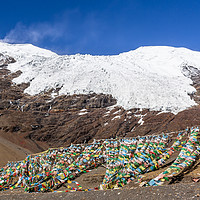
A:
[178, 191]
[11, 152]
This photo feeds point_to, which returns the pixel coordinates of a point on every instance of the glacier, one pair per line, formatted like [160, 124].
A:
[149, 77]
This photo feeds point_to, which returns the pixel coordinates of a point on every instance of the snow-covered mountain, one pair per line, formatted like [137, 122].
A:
[148, 77]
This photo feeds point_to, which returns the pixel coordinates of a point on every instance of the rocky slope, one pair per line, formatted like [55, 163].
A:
[49, 119]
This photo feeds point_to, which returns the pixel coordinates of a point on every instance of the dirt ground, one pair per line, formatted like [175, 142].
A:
[11, 152]
[169, 192]
[185, 189]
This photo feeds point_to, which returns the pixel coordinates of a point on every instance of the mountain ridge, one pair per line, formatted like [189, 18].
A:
[153, 71]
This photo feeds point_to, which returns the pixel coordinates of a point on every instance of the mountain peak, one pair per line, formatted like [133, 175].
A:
[148, 77]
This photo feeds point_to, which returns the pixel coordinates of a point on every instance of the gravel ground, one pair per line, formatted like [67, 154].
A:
[178, 191]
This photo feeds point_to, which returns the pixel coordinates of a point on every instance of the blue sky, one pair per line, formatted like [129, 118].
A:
[101, 27]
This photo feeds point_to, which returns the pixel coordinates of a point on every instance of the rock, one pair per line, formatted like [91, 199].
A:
[5, 60]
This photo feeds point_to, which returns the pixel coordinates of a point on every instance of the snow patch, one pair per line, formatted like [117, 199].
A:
[54, 94]
[106, 124]
[83, 112]
[133, 129]
[141, 121]
[162, 112]
[117, 112]
[110, 108]
[116, 117]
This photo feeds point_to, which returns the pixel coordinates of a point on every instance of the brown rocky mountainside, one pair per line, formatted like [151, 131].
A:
[39, 122]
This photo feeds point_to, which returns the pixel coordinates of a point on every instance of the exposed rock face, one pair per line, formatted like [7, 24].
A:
[41, 121]
[194, 74]
[5, 60]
